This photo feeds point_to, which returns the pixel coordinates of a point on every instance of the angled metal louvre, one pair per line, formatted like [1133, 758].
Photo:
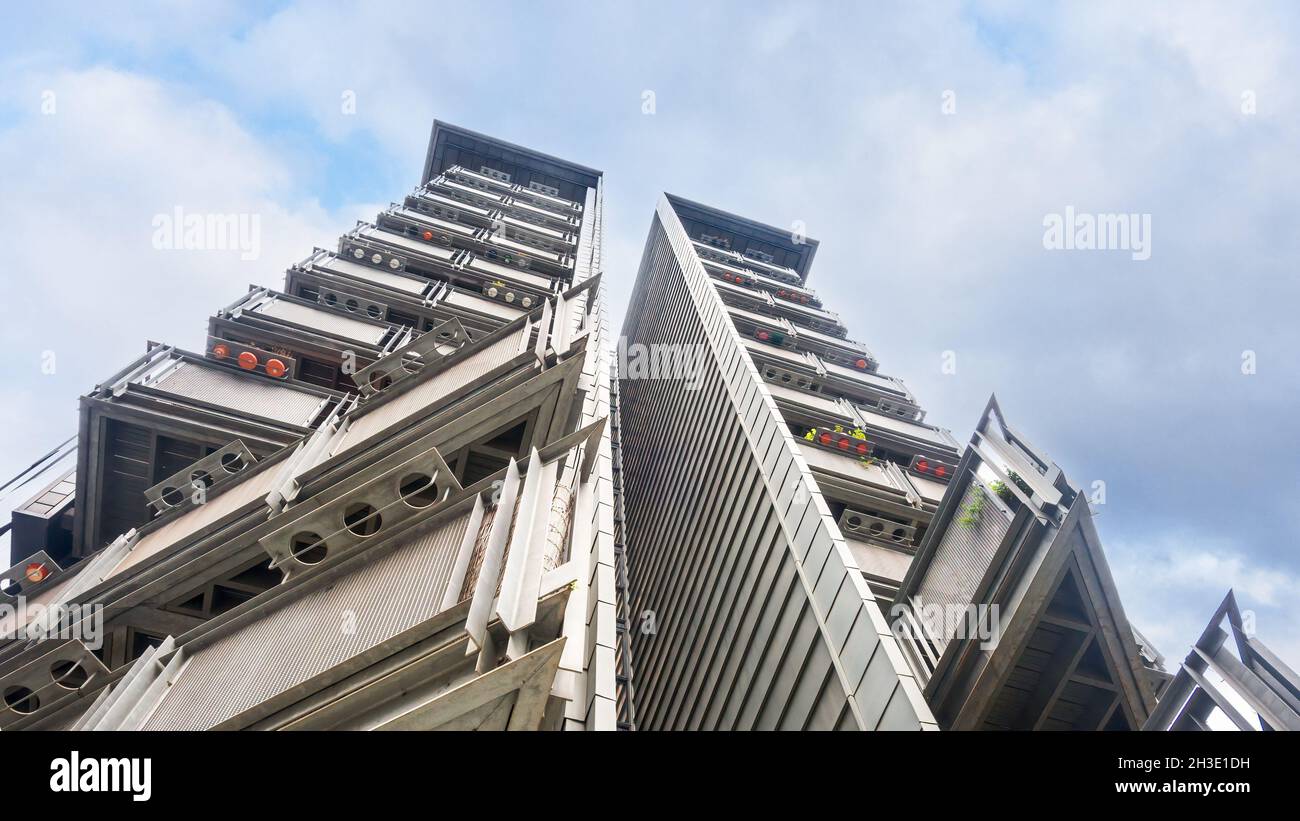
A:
[259, 397]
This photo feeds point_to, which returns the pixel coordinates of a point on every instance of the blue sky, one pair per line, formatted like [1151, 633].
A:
[931, 223]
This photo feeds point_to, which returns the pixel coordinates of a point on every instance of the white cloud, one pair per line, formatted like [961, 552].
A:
[1171, 584]
[930, 225]
[82, 277]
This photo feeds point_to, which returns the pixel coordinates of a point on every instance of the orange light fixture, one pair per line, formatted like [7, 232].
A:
[248, 360]
[221, 350]
[36, 572]
[276, 368]
[428, 236]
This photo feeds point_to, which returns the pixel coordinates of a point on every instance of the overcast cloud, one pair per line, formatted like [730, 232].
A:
[931, 221]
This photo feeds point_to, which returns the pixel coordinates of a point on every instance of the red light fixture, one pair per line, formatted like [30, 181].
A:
[762, 336]
[248, 360]
[824, 438]
[428, 236]
[863, 448]
[844, 443]
[276, 368]
[861, 364]
[922, 466]
[36, 572]
[940, 471]
[221, 350]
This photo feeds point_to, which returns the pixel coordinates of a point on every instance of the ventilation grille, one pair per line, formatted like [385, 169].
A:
[351, 304]
[876, 529]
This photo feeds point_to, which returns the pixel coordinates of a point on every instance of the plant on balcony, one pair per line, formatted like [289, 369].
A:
[1004, 493]
[974, 510]
[1020, 483]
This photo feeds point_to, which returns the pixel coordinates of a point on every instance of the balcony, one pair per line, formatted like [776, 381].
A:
[504, 241]
[554, 235]
[336, 266]
[361, 246]
[462, 192]
[429, 201]
[493, 270]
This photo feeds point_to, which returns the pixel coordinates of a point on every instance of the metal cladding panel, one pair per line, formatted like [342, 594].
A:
[483, 305]
[845, 465]
[246, 491]
[392, 281]
[880, 561]
[248, 394]
[793, 357]
[406, 243]
[812, 401]
[509, 273]
[761, 618]
[854, 375]
[329, 322]
[755, 317]
[903, 426]
[928, 488]
[964, 555]
[310, 635]
[431, 391]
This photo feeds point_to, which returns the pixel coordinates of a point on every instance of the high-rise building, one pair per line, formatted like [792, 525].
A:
[805, 550]
[414, 489]
[381, 497]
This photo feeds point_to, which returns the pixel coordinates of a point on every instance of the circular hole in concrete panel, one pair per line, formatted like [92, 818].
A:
[418, 490]
[362, 519]
[379, 380]
[22, 700]
[69, 674]
[232, 462]
[308, 548]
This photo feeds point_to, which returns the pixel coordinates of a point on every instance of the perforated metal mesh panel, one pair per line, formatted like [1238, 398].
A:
[329, 322]
[252, 395]
[307, 636]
